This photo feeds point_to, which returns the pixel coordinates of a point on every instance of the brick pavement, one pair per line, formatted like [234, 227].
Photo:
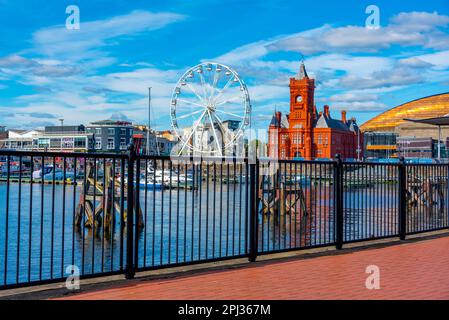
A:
[417, 270]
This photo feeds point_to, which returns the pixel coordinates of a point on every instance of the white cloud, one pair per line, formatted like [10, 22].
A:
[359, 106]
[415, 62]
[352, 97]
[18, 65]
[439, 59]
[420, 21]
[383, 78]
[84, 43]
[405, 29]
[354, 65]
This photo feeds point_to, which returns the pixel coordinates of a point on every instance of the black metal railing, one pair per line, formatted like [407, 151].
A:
[426, 197]
[296, 207]
[370, 201]
[190, 210]
[101, 214]
[55, 214]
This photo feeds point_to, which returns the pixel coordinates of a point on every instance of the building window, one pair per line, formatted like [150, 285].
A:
[98, 131]
[297, 138]
[111, 131]
[283, 138]
[123, 131]
[320, 139]
[80, 142]
[43, 142]
[55, 143]
[122, 143]
[67, 143]
[98, 143]
[111, 144]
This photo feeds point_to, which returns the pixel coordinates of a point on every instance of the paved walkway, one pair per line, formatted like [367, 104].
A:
[418, 270]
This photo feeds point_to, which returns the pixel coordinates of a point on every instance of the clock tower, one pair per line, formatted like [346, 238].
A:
[304, 134]
[302, 113]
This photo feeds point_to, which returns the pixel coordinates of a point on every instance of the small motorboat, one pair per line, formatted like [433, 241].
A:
[38, 174]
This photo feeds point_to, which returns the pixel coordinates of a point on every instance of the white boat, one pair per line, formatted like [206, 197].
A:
[169, 178]
[38, 174]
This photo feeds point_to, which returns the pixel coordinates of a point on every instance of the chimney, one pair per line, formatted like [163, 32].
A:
[326, 111]
[343, 116]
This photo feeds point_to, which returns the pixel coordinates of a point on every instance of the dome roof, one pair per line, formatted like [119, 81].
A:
[428, 107]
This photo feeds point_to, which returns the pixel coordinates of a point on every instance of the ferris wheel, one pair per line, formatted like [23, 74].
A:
[210, 108]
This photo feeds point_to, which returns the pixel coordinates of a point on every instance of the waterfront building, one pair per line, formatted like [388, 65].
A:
[411, 147]
[3, 135]
[305, 134]
[72, 138]
[390, 135]
[379, 144]
[111, 135]
[20, 140]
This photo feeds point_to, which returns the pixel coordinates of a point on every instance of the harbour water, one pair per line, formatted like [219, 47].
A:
[180, 225]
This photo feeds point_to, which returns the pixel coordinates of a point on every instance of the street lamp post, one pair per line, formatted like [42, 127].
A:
[439, 143]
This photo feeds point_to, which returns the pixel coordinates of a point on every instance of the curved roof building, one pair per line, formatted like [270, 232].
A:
[428, 107]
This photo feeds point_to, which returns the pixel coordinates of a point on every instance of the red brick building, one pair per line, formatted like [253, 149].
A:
[305, 134]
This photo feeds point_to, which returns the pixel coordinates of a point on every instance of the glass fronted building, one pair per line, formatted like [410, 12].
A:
[380, 144]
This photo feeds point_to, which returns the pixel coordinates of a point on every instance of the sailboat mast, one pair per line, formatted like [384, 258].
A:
[149, 120]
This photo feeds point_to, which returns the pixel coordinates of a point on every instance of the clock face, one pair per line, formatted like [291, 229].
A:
[299, 99]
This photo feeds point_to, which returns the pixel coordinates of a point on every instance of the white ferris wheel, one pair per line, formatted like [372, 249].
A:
[206, 99]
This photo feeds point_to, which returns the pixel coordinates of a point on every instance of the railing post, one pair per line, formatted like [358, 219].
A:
[136, 212]
[129, 269]
[402, 215]
[338, 196]
[253, 210]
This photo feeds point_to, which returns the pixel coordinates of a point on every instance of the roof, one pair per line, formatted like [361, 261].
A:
[438, 121]
[428, 107]
[302, 72]
[274, 121]
[111, 123]
[353, 126]
[284, 121]
[327, 122]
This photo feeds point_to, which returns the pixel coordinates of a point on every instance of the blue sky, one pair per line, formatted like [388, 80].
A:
[123, 47]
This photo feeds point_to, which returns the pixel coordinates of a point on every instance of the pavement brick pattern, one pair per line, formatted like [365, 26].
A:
[416, 270]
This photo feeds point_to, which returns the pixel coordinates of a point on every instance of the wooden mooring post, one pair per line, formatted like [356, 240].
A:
[281, 199]
[98, 197]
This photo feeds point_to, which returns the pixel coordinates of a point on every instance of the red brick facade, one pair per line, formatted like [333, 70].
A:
[305, 134]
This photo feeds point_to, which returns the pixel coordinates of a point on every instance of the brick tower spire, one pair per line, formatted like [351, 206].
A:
[302, 105]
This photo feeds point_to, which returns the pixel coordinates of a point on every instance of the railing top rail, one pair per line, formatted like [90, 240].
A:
[192, 158]
[62, 154]
[365, 163]
[100, 155]
[427, 164]
[266, 160]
